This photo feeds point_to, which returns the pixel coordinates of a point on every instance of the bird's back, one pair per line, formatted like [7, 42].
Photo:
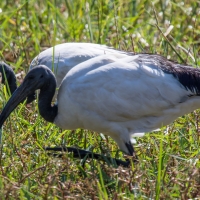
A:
[68, 55]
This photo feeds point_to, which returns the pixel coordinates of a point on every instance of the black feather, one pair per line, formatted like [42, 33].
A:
[188, 76]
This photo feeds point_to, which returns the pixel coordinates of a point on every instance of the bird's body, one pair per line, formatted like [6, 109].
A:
[118, 97]
[123, 98]
[63, 57]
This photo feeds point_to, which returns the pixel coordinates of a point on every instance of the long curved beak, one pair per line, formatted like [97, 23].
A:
[18, 96]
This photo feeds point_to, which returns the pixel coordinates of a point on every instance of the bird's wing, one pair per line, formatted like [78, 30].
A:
[123, 91]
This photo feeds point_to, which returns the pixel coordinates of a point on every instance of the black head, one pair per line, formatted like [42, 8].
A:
[40, 77]
[8, 76]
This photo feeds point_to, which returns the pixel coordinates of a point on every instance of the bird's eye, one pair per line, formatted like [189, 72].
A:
[42, 76]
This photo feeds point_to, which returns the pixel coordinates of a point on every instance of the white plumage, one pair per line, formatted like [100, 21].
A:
[63, 57]
[121, 98]
[118, 97]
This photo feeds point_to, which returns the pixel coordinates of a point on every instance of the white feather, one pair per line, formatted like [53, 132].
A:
[121, 97]
[63, 57]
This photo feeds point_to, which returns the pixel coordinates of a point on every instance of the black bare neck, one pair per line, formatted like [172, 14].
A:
[8, 77]
[47, 111]
[12, 82]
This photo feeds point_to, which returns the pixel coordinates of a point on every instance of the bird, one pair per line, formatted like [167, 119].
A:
[8, 77]
[118, 97]
[61, 59]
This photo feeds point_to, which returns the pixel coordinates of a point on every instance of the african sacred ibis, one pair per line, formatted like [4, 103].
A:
[62, 58]
[120, 98]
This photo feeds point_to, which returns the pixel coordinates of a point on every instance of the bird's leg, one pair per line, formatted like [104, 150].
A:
[79, 153]
[131, 151]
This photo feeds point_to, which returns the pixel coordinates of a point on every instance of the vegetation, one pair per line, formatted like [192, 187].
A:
[169, 165]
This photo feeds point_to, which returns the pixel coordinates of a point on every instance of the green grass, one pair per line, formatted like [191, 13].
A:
[169, 166]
